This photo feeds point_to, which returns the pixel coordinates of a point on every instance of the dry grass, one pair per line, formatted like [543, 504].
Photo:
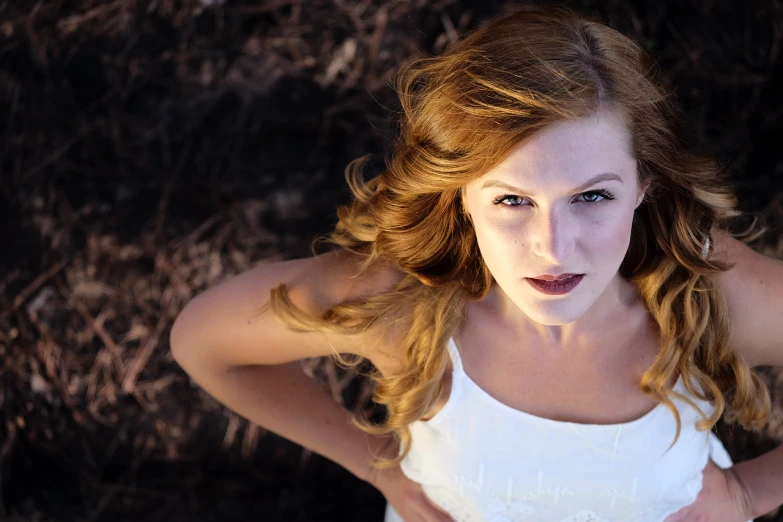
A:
[154, 148]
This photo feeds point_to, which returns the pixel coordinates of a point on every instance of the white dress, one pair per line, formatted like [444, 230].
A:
[483, 461]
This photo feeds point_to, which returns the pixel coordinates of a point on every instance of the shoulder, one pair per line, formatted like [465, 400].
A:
[753, 290]
[228, 325]
[343, 279]
[343, 269]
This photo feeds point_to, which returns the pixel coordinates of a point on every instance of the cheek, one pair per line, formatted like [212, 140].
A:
[610, 236]
[503, 246]
[496, 239]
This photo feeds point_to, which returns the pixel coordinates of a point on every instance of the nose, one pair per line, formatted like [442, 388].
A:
[553, 237]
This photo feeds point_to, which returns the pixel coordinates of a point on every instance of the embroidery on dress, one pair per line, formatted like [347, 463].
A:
[584, 516]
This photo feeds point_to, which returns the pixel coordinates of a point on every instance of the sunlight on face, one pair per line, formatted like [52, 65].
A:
[562, 202]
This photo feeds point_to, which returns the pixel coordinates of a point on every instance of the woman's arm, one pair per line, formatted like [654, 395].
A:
[284, 400]
[762, 480]
[249, 362]
[754, 293]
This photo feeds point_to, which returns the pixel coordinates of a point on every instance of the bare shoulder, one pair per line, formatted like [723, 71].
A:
[227, 326]
[337, 277]
[753, 290]
[380, 344]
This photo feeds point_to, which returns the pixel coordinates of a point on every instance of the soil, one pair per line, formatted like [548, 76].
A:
[152, 148]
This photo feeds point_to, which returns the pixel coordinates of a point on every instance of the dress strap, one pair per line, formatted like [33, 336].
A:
[456, 360]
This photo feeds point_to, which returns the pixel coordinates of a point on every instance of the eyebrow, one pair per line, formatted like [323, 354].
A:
[590, 182]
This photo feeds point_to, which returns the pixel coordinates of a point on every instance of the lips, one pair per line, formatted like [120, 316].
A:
[547, 277]
[558, 286]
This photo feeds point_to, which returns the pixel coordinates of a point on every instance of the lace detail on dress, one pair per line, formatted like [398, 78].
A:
[584, 516]
[482, 462]
[466, 501]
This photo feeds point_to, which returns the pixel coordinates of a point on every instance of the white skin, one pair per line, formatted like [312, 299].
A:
[546, 226]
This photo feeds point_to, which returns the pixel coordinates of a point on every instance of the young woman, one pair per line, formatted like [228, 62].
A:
[544, 281]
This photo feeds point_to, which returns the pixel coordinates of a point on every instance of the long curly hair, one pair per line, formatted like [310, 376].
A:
[463, 111]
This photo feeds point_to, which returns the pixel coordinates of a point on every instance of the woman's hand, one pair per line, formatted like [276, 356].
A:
[722, 499]
[406, 496]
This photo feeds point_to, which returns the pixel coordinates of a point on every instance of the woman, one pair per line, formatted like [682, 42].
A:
[542, 278]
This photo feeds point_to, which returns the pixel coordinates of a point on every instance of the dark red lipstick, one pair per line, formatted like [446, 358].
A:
[555, 285]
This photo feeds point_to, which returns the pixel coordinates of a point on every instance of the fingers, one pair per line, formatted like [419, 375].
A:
[677, 516]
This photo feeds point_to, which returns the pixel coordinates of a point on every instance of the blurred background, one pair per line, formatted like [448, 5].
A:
[152, 148]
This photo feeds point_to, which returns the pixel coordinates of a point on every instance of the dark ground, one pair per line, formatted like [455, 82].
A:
[153, 148]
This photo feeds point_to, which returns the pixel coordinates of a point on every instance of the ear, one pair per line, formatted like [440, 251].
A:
[642, 192]
[463, 200]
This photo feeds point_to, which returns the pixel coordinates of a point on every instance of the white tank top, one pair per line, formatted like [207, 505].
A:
[483, 461]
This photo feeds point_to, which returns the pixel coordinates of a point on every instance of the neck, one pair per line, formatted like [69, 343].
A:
[602, 320]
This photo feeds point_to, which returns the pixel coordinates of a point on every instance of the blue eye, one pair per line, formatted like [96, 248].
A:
[501, 199]
[603, 194]
[591, 196]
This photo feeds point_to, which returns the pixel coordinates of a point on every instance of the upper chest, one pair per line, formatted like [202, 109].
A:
[595, 385]
[586, 387]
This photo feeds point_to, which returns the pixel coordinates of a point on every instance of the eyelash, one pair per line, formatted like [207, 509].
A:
[600, 192]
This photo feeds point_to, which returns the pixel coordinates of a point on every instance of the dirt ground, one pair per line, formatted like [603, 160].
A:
[151, 148]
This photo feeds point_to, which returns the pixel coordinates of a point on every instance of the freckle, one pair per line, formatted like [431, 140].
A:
[328, 422]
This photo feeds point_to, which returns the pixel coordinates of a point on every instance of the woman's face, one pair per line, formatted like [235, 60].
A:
[562, 202]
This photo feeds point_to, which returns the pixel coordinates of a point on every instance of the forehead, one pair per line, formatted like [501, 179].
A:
[570, 151]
